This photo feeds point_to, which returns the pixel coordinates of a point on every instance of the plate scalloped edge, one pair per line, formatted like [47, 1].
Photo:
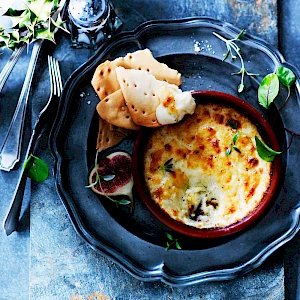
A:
[161, 273]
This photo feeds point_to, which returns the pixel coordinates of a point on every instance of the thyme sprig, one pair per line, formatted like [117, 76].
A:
[172, 242]
[233, 145]
[168, 165]
[234, 51]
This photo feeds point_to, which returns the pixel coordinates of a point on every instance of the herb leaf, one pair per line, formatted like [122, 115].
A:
[36, 169]
[268, 90]
[232, 48]
[264, 151]
[123, 202]
[167, 166]
[235, 138]
[108, 177]
[228, 151]
[236, 149]
[173, 240]
[286, 76]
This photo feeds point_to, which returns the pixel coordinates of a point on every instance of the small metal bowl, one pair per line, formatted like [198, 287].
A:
[252, 217]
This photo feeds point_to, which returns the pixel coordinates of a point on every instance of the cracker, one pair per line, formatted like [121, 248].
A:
[144, 60]
[109, 135]
[114, 110]
[139, 89]
[104, 80]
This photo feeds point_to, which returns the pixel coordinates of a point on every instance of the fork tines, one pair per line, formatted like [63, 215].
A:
[55, 76]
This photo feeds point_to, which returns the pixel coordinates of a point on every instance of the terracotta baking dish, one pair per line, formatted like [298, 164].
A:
[254, 216]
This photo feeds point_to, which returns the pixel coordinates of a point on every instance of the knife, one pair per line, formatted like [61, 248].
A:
[12, 219]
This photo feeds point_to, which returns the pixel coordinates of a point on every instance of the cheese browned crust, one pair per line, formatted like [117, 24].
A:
[207, 188]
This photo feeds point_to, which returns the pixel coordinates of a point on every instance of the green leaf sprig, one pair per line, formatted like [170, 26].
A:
[264, 151]
[267, 93]
[39, 19]
[268, 90]
[269, 87]
[167, 166]
[233, 145]
[172, 242]
[36, 169]
[234, 51]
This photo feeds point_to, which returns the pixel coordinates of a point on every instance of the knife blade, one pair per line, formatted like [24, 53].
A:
[12, 219]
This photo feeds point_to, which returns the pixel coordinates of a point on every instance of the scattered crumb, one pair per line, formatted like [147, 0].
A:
[203, 46]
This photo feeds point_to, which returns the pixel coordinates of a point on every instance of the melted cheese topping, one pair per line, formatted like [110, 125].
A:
[209, 186]
[174, 104]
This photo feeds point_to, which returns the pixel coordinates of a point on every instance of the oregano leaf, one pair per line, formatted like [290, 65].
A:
[108, 177]
[178, 246]
[124, 202]
[268, 90]
[169, 236]
[228, 151]
[235, 138]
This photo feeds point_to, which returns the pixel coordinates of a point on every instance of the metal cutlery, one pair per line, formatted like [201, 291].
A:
[12, 219]
[11, 148]
[10, 65]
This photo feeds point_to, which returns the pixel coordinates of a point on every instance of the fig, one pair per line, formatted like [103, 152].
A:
[113, 175]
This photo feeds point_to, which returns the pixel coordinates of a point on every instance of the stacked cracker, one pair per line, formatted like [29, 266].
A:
[127, 89]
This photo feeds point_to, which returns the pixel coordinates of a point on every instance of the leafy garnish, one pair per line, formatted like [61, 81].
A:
[232, 145]
[104, 177]
[36, 169]
[235, 138]
[236, 149]
[39, 19]
[268, 90]
[264, 151]
[167, 166]
[232, 124]
[234, 51]
[286, 76]
[228, 151]
[173, 242]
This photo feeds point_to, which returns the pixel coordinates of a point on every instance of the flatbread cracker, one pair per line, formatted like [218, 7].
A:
[139, 89]
[144, 60]
[114, 110]
[104, 80]
[109, 135]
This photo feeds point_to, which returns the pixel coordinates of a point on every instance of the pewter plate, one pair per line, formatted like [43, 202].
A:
[137, 241]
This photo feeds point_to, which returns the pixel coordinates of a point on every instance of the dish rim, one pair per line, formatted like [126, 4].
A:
[211, 233]
[161, 273]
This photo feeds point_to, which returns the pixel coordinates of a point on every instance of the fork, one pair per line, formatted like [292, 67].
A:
[12, 219]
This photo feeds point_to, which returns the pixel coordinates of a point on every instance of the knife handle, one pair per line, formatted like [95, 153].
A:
[10, 150]
[12, 219]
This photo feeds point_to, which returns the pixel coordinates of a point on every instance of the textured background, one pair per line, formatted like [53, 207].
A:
[50, 261]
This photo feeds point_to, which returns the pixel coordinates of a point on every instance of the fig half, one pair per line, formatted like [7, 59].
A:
[113, 175]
